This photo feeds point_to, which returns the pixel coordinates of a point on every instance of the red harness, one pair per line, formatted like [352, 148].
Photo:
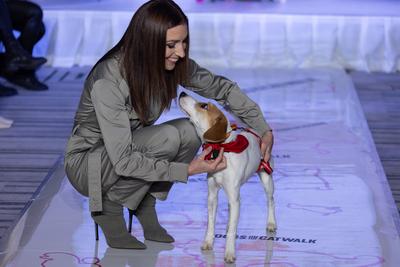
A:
[236, 146]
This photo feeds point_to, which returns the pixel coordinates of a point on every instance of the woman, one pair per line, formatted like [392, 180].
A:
[115, 155]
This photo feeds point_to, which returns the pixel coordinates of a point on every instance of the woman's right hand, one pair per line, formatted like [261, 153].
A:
[200, 164]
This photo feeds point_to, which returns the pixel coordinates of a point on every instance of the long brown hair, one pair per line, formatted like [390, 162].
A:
[142, 50]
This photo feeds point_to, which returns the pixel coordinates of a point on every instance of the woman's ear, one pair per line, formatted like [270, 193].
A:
[217, 133]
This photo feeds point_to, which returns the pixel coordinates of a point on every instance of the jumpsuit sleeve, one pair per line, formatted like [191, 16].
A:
[227, 94]
[113, 118]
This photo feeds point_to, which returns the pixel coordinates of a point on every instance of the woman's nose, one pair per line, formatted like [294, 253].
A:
[180, 51]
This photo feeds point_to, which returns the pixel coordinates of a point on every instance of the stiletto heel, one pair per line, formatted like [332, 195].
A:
[131, 212]
[96, 229]
[115, 232]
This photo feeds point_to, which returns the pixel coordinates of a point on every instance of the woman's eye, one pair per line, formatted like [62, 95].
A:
[170, 46]
[204, 105]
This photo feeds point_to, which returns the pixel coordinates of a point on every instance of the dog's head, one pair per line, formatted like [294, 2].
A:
[211, 123]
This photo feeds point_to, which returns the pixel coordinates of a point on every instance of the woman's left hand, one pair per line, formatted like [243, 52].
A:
[266, 145]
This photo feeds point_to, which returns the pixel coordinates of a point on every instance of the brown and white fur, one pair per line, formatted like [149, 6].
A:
[212, 126]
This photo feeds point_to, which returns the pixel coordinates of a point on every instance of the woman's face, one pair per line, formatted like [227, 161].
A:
[176, 45]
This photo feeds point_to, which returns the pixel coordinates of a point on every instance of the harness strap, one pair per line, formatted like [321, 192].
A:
[217, 147]
[266, 166]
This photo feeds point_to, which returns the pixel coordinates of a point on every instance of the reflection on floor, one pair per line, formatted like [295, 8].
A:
[332, 202]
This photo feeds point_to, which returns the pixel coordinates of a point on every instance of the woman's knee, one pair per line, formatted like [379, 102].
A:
[27, 17]
[35, 23]
[40, 30]
[167, 145]
[34, 11]
[187, 132]
[168, 140]
[188, 138]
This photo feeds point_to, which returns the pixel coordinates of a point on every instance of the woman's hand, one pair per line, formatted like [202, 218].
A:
[200, 165]
[267, 141]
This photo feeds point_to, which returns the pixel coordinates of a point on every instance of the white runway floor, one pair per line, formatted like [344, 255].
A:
[333, 205]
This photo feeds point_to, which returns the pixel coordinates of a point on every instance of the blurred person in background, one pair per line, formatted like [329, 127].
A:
[17, 64]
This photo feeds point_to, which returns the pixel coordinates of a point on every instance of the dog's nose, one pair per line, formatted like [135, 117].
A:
[182, 94]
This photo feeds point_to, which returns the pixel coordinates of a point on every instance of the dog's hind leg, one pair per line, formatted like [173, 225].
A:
[234, 208]
[269, 190]
[212, 210]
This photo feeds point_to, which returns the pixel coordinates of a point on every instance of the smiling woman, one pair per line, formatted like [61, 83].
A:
[176, 45]
[115, 155]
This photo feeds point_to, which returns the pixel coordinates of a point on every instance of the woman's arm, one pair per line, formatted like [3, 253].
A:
[112, 115]
[229, 95]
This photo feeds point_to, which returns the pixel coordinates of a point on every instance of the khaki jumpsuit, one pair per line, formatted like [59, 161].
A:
[111, 154]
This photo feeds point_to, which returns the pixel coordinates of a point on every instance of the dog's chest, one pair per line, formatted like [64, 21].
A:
[240, 166]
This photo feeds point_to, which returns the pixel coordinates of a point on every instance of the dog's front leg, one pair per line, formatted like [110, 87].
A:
[234, 206]
[212, 210]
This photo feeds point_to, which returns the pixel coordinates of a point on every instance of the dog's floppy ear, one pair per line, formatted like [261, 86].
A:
[217, 133]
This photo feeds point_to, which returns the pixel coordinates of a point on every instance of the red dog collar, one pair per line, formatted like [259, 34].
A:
[236, 146]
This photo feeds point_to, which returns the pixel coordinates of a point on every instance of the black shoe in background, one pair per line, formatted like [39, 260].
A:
[22, 62]
[7, 91]
[27, 81]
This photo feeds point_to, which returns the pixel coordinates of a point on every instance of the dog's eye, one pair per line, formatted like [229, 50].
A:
[204, 105]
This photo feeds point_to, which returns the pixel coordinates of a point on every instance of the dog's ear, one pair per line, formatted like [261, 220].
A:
[217, 133]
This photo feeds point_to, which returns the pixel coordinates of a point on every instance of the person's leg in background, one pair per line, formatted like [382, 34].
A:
[15, 56]
[7, 91]
[13, 48]
[27, 18]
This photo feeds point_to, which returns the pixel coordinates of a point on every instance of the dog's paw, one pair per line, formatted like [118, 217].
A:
[206, 246]
[271, 227]
[230, 257]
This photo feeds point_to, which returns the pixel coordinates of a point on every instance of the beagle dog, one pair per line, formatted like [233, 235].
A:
[214, 130]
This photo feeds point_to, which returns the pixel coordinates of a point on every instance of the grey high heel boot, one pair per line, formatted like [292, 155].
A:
[147, 216]
[112, 223]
